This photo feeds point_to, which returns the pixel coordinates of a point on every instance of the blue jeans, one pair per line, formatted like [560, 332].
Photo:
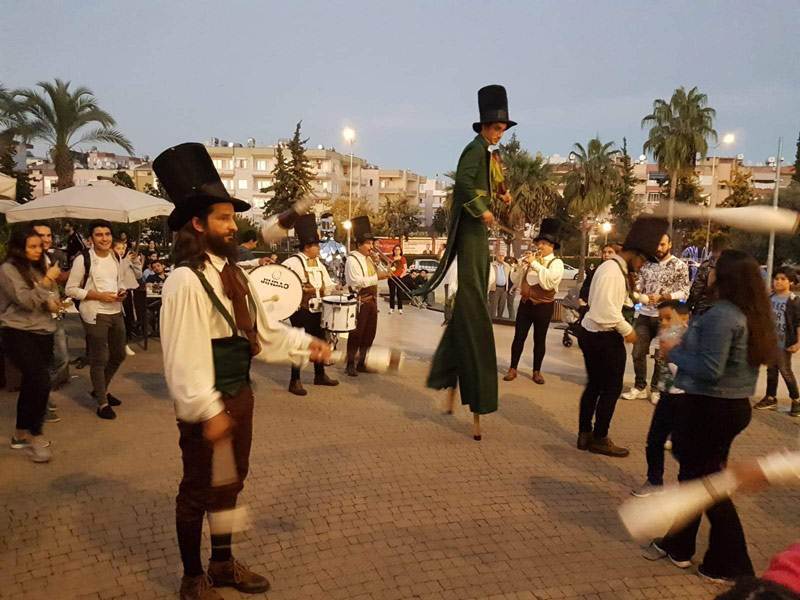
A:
[59, 366]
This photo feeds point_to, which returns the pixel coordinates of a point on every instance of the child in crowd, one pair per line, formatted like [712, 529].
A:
[673, 317]
[786, 310]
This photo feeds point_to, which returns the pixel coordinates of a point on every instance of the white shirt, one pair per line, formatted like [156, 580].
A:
[105, 275]
[318, 276]
[607, 295]
[548, 275]
[189, 322]
[356, 271]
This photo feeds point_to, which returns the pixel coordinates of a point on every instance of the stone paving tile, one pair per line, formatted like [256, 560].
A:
[365, 491]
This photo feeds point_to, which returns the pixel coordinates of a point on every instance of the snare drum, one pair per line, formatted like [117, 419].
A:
[339, 313]
[279, 289]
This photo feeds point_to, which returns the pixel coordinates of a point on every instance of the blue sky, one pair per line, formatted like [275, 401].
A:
[405, 74]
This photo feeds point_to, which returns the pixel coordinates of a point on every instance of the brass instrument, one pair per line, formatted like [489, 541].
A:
[385, 264]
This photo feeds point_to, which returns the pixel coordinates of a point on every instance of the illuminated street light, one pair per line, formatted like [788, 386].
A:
[349, 135]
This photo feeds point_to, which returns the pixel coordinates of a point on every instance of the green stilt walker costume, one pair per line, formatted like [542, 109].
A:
[466, 353]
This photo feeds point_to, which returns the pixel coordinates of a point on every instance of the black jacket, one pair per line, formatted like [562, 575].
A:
[792, 319]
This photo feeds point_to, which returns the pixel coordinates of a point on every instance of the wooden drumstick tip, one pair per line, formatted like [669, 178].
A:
[476, 427]
[451, 401]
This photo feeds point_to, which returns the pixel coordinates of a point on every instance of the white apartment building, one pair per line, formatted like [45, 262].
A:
[432, 195]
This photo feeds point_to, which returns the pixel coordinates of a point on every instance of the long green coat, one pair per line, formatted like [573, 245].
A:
[466, 354]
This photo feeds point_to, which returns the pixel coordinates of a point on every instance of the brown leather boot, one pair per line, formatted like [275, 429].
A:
[511, 375]
[537, 378]
[607, 447]
[232, 573]
[296, 388]
[324, 380]
[584, 439]
[198, 588]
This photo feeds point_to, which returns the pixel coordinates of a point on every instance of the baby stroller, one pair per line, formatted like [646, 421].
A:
[571, 314]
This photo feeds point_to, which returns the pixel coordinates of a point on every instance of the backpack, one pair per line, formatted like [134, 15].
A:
[87, 264]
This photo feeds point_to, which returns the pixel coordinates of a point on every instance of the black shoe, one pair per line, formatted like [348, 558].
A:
[296, 388]
[584, 437]
[362, 368]
[607, 447]
[112, 400]
[708, 575]
[325, 380]
[351, 370]
[767, 403]
[106, 412]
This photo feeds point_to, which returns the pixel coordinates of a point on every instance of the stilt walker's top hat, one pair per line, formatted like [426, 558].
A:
[548, 231]
[305, 228]
[192, 183]
[362, 229]
[645, 236]
[493, 107]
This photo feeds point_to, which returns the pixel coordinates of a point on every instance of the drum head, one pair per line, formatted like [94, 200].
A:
[339, 300]
[279, 289]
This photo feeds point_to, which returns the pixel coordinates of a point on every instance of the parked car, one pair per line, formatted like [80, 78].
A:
[426, 264]
[570, 272]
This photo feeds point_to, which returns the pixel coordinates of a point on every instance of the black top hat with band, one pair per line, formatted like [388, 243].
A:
[493, 107]
[192, 183]
[362, 229]
[645, 236]
[548, 231]
[305, 228]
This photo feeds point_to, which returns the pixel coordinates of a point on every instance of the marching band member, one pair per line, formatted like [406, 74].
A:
[362, 278]
[316, 283]
[212, 325]
[537, 277]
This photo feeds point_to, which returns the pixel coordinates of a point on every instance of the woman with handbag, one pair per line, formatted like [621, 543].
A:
[538, 276]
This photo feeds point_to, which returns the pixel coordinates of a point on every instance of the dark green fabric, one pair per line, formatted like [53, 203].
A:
[232, 354]
[466, 353]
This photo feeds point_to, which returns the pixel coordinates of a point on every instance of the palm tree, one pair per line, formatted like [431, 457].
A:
[60, 116]
[679, 130]
[532, 185]
[591, 186]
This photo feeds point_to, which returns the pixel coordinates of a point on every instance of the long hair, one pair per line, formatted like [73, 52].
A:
[17, 257]
[398, 247]
[189, 247]
[739, 282]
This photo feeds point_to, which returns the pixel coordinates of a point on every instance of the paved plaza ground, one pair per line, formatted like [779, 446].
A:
[364, 492]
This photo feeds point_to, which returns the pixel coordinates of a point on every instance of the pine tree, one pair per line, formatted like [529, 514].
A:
[24, 192]
[796, 175]
[302, 176]
[622, 207]
[281, 187]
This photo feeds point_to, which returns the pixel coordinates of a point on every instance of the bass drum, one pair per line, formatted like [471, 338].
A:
[279, 289]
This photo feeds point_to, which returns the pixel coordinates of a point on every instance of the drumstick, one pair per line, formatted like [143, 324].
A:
[759, 219]
[276, 226]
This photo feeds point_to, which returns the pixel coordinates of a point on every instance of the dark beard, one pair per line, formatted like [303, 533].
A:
[217, 245]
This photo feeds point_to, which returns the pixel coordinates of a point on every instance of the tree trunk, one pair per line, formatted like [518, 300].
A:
[65, 169]
[673, 190]
[584, 250]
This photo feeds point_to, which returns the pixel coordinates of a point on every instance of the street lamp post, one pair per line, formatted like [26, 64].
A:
[727, 139]
[775, 193]
[606, 227]
[349, 135]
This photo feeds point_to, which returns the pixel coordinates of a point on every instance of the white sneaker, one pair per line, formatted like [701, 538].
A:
[635, 394]
[129, 351]
[391, 310]
[400, 311]
[39, 451]
[648, 489]
[655, 397]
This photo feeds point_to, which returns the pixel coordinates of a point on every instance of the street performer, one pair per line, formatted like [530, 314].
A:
[362, 278]
[466, 353]
[316, 283]
[212, 325]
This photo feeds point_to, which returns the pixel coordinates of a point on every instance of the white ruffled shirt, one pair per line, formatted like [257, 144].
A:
[189, 322]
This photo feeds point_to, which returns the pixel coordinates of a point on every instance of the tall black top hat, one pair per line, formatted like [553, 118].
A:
[493, 107]
[645, 236]
[362, 229]
[548, 231]
[191, 182]
[305, 228]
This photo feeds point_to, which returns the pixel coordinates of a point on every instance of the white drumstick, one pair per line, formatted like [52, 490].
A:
[760, 219]
[384, 360]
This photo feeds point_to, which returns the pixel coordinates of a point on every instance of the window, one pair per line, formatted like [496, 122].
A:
[370, 183]
[326, 186]
[217, 164]
[243, 184]
[261, 165]
[263, 184]
[383, 184]
[228, 183]
[241, 163]
[654, 197]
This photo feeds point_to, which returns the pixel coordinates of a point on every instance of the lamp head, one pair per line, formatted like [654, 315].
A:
[349, 134]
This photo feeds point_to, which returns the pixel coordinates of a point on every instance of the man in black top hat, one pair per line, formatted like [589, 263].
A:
[212, 325]
[362, 278]
[317, 283]
[606, 327]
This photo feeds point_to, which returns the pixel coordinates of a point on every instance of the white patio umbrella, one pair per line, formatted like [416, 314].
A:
[7, 205]
[8, 187]
[97, 200]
